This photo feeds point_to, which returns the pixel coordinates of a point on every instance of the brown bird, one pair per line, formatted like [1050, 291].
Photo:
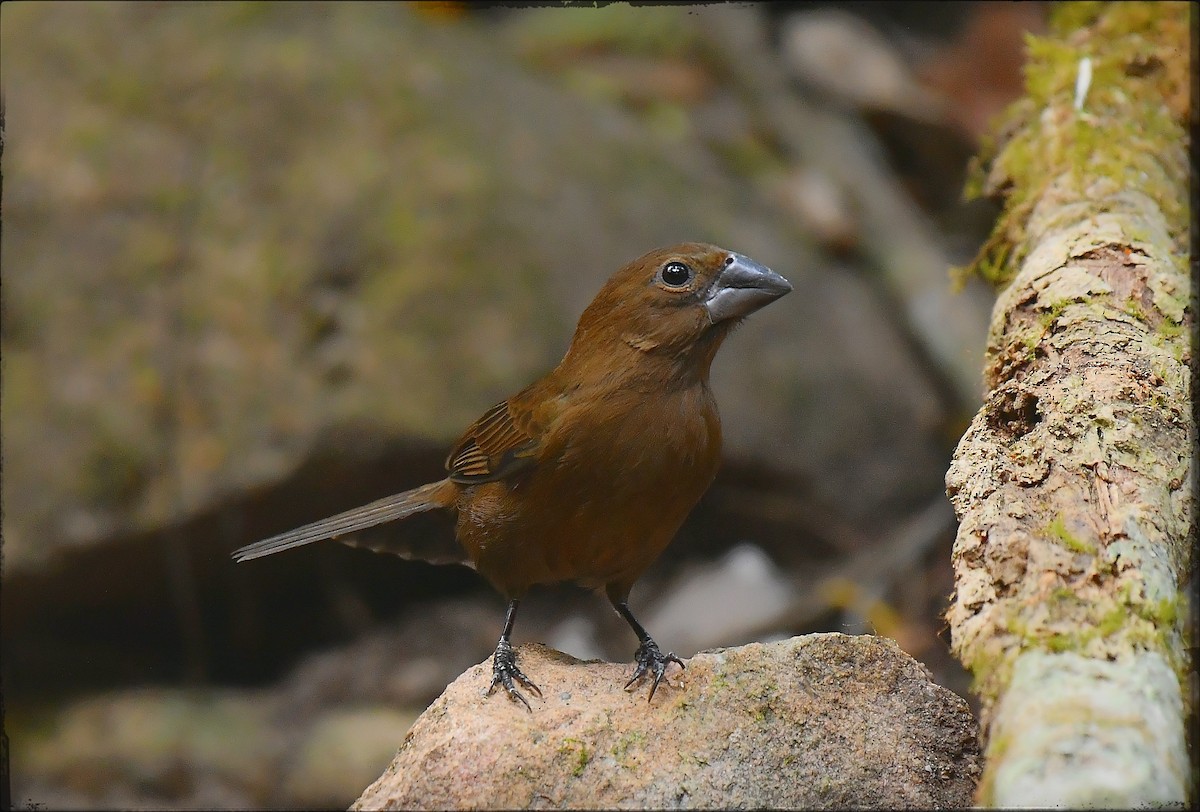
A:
[587, 474]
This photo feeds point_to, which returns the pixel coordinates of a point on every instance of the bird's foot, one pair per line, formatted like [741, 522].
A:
[650, 660]
[504, 671]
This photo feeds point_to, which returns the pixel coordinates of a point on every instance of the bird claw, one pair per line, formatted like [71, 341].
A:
[504, 671]
[651, 660]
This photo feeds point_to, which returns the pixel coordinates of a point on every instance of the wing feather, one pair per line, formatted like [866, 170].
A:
[499, 444]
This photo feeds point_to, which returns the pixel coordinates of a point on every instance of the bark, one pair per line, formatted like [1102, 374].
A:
[1073, 484]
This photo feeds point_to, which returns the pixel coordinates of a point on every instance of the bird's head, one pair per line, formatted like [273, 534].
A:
[677, 303]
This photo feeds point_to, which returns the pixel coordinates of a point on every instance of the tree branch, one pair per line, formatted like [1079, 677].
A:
[1073, 483]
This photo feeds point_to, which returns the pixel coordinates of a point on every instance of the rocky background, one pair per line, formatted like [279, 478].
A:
[262, 262]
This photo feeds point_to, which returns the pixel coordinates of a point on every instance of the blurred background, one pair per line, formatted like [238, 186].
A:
[262, 262]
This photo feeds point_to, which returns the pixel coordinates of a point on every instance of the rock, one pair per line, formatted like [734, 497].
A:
[827, 720]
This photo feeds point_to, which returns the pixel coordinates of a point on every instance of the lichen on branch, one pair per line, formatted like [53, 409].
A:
[1073, 484]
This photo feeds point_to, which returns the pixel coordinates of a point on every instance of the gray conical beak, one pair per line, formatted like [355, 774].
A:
[743, 287]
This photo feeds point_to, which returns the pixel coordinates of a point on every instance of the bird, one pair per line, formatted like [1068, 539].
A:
[587, 474]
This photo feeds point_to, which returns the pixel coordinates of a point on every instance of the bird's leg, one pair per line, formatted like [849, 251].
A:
[648, 656]
[504, 662]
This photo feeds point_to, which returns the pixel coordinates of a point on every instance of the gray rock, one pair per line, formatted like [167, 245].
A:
[823, 721]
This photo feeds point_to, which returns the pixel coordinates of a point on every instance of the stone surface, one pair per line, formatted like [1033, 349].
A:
[824, 721]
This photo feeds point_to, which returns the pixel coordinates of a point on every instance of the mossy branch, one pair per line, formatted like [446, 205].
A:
[1137, 99]
[1073, 483]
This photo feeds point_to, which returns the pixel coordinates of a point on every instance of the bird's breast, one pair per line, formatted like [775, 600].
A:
[619, 474]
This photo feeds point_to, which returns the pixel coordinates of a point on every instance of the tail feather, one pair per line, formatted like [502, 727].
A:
[427, 497]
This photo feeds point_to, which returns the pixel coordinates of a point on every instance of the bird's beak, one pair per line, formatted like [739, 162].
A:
[743, 287]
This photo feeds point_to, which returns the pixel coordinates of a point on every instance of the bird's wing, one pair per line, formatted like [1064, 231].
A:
[501, 443]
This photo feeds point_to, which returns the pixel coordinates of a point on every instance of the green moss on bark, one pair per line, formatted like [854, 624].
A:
[1125, 129]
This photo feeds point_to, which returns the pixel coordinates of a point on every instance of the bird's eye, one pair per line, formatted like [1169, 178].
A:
[675, 274]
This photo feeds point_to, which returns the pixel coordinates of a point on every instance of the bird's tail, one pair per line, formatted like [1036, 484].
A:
[427, 497]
